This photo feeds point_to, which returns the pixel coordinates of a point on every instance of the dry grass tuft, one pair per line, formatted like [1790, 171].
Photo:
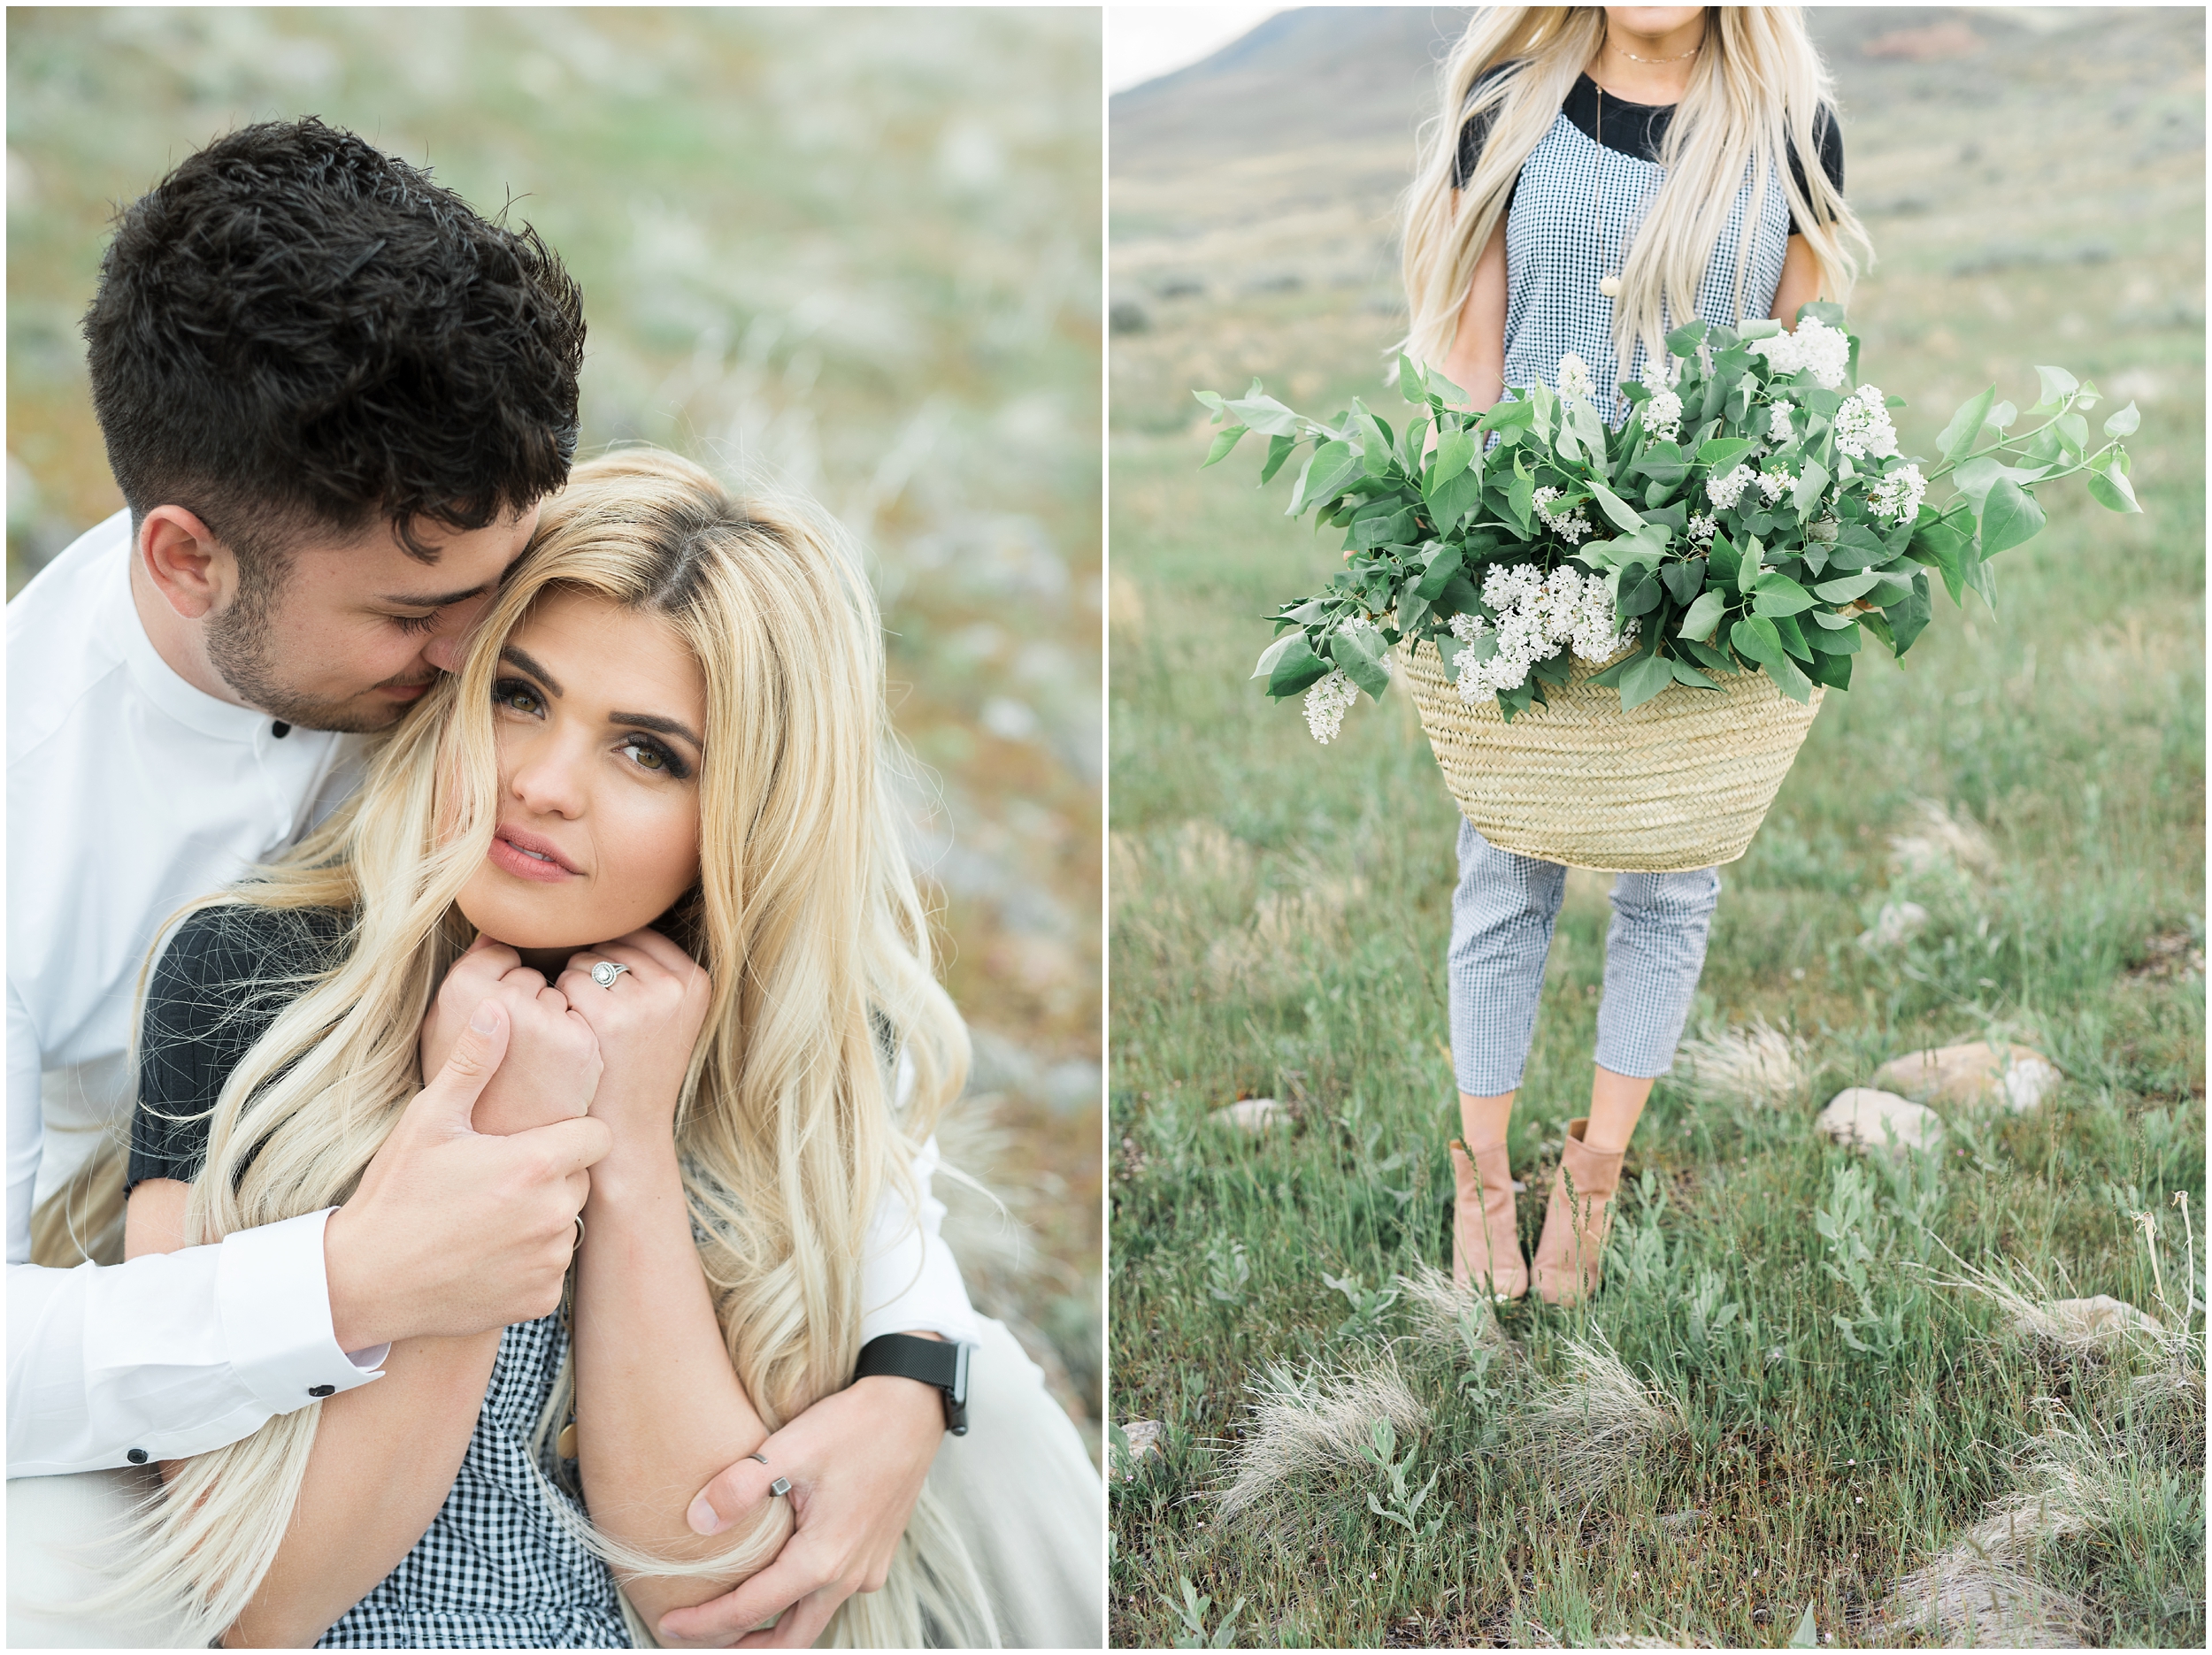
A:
[1598, 1421]
[1313, 1423]
[1966, 1601]
[1937, 839]
[1448, 1316]
[1758, 1066]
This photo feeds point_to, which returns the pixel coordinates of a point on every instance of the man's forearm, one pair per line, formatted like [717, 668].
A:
[169, 1356]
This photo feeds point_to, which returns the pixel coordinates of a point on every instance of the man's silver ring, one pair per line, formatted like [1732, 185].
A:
[762, 1458]
[781, 1485]
[605, 972]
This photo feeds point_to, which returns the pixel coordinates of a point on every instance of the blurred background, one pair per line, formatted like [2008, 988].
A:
[2001, 838]
[853, 252]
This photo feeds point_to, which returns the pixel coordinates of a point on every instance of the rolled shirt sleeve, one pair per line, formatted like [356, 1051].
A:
[910, 1281]
[172, 1354]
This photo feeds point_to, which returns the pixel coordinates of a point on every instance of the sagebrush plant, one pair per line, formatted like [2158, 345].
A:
[1752, 513]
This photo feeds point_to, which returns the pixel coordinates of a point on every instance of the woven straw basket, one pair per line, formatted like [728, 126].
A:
[1681, 782]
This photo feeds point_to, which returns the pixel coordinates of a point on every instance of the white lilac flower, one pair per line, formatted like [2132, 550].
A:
[1663, 416]
[1658, 373]
[1570, 526]
[1779, 423]
[1703, 526]
[1537, 614]
[1775, 482]
[1574, 379]
[1863, 425]
[1468, 627]
[1898, 495]
[1725, 490]
[1826, 350]
[1325, 704]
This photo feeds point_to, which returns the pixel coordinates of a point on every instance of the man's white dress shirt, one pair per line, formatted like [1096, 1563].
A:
[130, 792]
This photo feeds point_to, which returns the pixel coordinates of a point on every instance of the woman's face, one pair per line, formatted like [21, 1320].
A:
[1650, 22]
[600, 713]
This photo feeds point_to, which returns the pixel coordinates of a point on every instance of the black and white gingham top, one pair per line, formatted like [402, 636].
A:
[496, 1569]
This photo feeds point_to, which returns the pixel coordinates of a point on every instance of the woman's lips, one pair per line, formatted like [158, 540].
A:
[508, 857]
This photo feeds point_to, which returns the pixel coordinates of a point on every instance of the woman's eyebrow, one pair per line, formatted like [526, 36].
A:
[657, 724]
[509, 653]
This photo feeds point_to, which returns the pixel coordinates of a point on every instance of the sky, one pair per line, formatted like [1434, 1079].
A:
[1146, 42]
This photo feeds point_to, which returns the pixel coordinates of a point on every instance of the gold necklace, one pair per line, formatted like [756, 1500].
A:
[1633, 58]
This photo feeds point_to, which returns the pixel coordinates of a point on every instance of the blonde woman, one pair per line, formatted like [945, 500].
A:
[638, 854]
[1599, 177]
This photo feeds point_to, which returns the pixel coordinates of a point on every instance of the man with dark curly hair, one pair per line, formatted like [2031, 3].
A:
[333, 396]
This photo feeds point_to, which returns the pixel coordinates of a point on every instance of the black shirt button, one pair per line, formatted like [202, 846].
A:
[280, 730]
[137, 1456]
[322, 1390]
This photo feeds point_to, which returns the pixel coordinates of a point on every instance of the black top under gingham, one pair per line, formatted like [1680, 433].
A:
[495, 1569]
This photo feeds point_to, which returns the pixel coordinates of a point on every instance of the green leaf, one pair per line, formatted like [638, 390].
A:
[1717, 660]
[1806, 496]
[1684, 580]
[1640, 592]
[2003, 415]
[2123, 422]
[1646, 676]
[2009, 517]
[1509, 412]
[1793, 637]
[1685, 339]
[1265, 414]
[1980, 474]
[1835, 635]
[1756, 640]
[1278, 450]
[2112, 490]
[1722, 561]
[1957, 437]
[1610, 678]
[1333, 466]
[1833, 670]
[2058, 385]
[1297, 669]
[1411, 383]
[1806, 1635]
[1722, 453]
[1791, 680]
[1748, 570]
[1443, 566]
[1704, 615]
[1778, 594]
[1275, 652]
[1909, 615]
[1615, 508]
[1450, 503]
[1847, 588]
[1686, 674]
[1454, 450]
[2073, 431]
[1359, 652]
[1224, 441]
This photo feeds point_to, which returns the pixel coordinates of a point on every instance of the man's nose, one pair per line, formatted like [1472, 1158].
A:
[445, 649]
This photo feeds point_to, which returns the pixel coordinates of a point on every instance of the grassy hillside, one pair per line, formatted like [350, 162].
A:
[1280, 911]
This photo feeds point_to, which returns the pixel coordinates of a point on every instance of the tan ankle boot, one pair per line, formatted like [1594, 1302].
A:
[1571, 1253]
[1486, 1242]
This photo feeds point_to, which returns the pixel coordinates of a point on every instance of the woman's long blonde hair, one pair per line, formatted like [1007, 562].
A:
[1753, 94]
[806, 917]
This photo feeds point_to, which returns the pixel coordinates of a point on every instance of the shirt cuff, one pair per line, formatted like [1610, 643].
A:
[910, 1283]
[273, 1298]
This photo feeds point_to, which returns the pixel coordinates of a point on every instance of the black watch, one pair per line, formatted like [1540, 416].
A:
[939, 1362]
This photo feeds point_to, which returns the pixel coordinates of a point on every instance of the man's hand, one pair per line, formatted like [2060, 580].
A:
[857, 1461]
[453, 1231]
[552, 1065]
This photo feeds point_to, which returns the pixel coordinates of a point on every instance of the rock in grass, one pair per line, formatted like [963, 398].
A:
[1143, 1438]
[2099, 1320]
[1865, 1118]
[2017, 1077]
[1254, 1114]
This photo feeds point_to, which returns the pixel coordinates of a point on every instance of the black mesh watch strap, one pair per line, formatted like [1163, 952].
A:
[939, 1362]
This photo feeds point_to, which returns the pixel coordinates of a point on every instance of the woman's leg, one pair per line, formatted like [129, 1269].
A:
[1502, 915]
[1653, 958]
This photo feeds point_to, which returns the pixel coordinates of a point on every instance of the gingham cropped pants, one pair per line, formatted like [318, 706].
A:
[1502, 915]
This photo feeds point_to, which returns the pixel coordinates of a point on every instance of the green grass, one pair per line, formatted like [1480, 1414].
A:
[1280, 912]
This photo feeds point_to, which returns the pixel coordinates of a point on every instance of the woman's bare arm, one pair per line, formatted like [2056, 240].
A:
[385, 1457]
[1799, 283]
[1476, 362]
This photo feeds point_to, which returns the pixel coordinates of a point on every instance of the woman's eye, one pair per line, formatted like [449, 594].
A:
[515, 693]
[651, 755]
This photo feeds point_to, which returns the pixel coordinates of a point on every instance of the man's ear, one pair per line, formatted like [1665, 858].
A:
[197, 573]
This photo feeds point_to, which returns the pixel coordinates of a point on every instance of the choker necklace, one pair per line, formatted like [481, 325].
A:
[1633, 58]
